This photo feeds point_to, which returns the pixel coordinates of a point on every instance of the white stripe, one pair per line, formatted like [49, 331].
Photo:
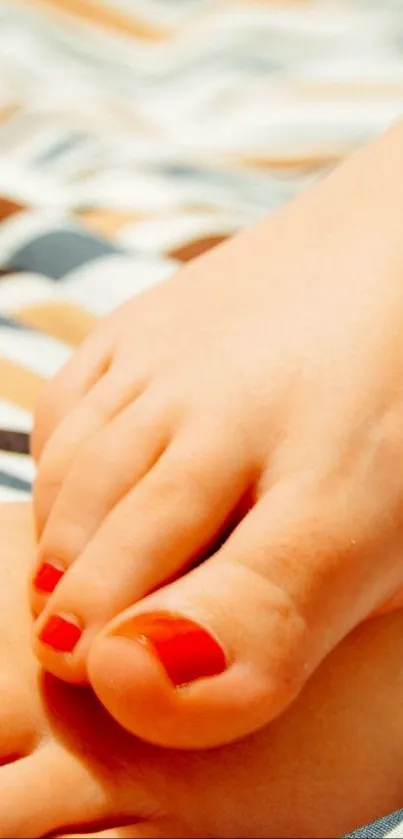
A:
[7, 495]
[103, 284]
[396, 833]
[33, 351]
[169, 232]
[18, 466]
[22, 290]
[14, 418]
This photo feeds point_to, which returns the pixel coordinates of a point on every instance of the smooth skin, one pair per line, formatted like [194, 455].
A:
[248, 412]
[66, 767]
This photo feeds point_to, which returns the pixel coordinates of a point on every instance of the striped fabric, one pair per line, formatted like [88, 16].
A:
[136, 134]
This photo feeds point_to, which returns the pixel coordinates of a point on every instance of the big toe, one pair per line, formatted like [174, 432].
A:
[220, 652]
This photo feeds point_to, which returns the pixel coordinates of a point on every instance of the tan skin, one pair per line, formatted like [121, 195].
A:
[258, 393]
[330, 763]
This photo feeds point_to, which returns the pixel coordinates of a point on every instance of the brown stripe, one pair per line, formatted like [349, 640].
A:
[189, 251]
[14, 441]
[90, 12]
[63, 321]
[18, 385]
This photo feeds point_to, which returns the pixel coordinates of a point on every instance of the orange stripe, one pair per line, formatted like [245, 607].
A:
[18, 385]
[8, 208]
[63, 321]
[108, 222]
[9, 111]
[190, 250]
[310, 160]
[90, 12]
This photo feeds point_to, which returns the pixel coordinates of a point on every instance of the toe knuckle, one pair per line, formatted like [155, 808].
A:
[192, 477]
[84, 460]
[182, 479]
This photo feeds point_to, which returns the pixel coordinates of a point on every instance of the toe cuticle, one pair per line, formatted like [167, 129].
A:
[61, 632]
[186, 650]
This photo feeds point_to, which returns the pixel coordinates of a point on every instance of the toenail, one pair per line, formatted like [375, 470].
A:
[48, 576]
[186, 650]
[61, 633]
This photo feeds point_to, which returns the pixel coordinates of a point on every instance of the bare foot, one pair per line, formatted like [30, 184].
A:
[251, 402]
[68, 768]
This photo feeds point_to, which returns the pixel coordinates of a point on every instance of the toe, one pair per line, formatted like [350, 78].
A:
[47, 790]
[102, 472]
[165, 523]
[91, 413]
[221, 651]
[18, 731]
[71, 383]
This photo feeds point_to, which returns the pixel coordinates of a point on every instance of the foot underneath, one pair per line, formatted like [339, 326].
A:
[67, 768]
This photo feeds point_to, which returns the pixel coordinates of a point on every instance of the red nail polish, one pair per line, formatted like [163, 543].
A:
[47, 577]
[60, 633]
[185, 649]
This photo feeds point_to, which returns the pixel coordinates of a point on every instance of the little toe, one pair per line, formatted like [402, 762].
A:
[160, 527]
[116, 389]
[80, 373]
[223, 650]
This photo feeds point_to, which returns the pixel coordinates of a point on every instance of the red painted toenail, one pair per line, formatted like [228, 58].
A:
[185, 649]
[60, 633]
[47, 577]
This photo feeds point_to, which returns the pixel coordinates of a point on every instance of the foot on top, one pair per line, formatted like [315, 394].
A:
[205, 500]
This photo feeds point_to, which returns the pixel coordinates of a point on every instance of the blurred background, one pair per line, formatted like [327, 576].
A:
[136, 134]
[153, 107]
